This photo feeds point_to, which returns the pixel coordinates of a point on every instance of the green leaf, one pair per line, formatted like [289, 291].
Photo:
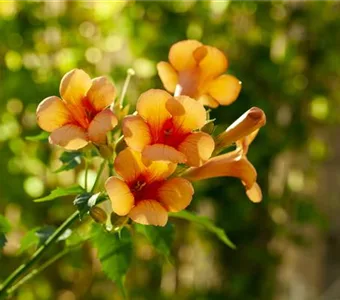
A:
[4, 228]
[60, 192]
[206, 223]
[160, 237]
[114, 252]
[29, 240]
[70, 160]
[42, 136]
[85, 201]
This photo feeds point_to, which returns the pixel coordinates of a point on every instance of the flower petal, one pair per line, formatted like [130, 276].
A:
[231, 164]
[207, 100]
[128, 164]
[197, 147]
[159, 170]
[176, 194]
[149, 212]
[254, 193]
[102, 93]
[136, 132]
[122, 200]
[168, 76]
[164, 153]
[101, 125]
[74, 86]
[187, 113]
[225, 89]
[151, 107]
[70, 137]
[181, 54]
[249, 122]
[52, 113]
[214, 63]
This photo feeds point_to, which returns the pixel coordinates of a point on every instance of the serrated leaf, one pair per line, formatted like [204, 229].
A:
[85, 202]
[42, 136]
[61, 192]
[114, 252]
[4, 228]
[206, 223]
[160, 237]
[70, 160]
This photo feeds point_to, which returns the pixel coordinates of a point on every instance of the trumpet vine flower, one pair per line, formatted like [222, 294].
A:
[196, 70]
[81, 115]
[144, 193]
[165, 129]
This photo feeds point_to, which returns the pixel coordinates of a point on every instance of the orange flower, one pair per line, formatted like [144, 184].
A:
[164, 129]
[235, 164]
[144, 193]
[196, 70]
[81, 115]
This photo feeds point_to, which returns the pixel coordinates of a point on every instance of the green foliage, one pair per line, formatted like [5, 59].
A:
[70, 160]
[160, 237]
[114, 252]
[61, 192]
[42, 136]
[5, 227]
[206, 223]
[85, 202]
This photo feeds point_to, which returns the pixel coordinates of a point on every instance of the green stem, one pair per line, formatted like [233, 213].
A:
[86, 171]
[37, 255]
[101, 169]
[130, 73]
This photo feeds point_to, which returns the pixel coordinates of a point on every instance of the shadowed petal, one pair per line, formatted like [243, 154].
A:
[168, 76]
[70, 137]
[52, 114]
[163, 152]
[197, 147]
[102, 93]
[207, 100]
[136, 132]
[181, 54]
[225, 89]
[101, 125]
[122, 199]
[74, 86]
[149, 212]
[176, 194]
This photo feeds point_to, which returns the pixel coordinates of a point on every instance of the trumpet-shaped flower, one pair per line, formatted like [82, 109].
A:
[164, 129]
[144, 193]
[235, 163]
[81, 116]
[196, 70]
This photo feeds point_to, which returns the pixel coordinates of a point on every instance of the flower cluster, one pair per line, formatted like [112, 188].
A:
[166, 130]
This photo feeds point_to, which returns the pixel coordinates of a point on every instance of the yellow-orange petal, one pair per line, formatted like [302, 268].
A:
[151, 107]
[225, 89]
[52, 114]
[168, 76]
[197, 147]
[176, 194]
[128, 164]
[181, 54]
[164, 153]
[213, 64]
[136, 132]
[254, 193]
[149, 212]
[74, 86]
[70, 137]
[249, 122]
[101, 124]
[207, 100]
[159, 170]
[122, 200]
[187, 113]
[231, 164]
[102, 93]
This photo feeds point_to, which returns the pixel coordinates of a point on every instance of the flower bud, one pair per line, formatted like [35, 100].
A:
[98, 214]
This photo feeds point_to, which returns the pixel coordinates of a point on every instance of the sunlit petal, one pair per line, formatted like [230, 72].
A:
[70, 137]
[74, 86]
[254, 193]
[164, 153]
[149, 212]
[181, 54]
[102, 93]
[159, 170]
[136, 132]
[214, 63]
[122, 199]
[102, 123]
[176, 194]
[52, 114]
[168, 76]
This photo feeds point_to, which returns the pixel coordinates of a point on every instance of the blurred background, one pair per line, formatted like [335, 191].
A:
[287, 56]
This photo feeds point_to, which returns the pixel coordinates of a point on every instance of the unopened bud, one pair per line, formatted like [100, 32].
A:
[98, 215]
[106, 151]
